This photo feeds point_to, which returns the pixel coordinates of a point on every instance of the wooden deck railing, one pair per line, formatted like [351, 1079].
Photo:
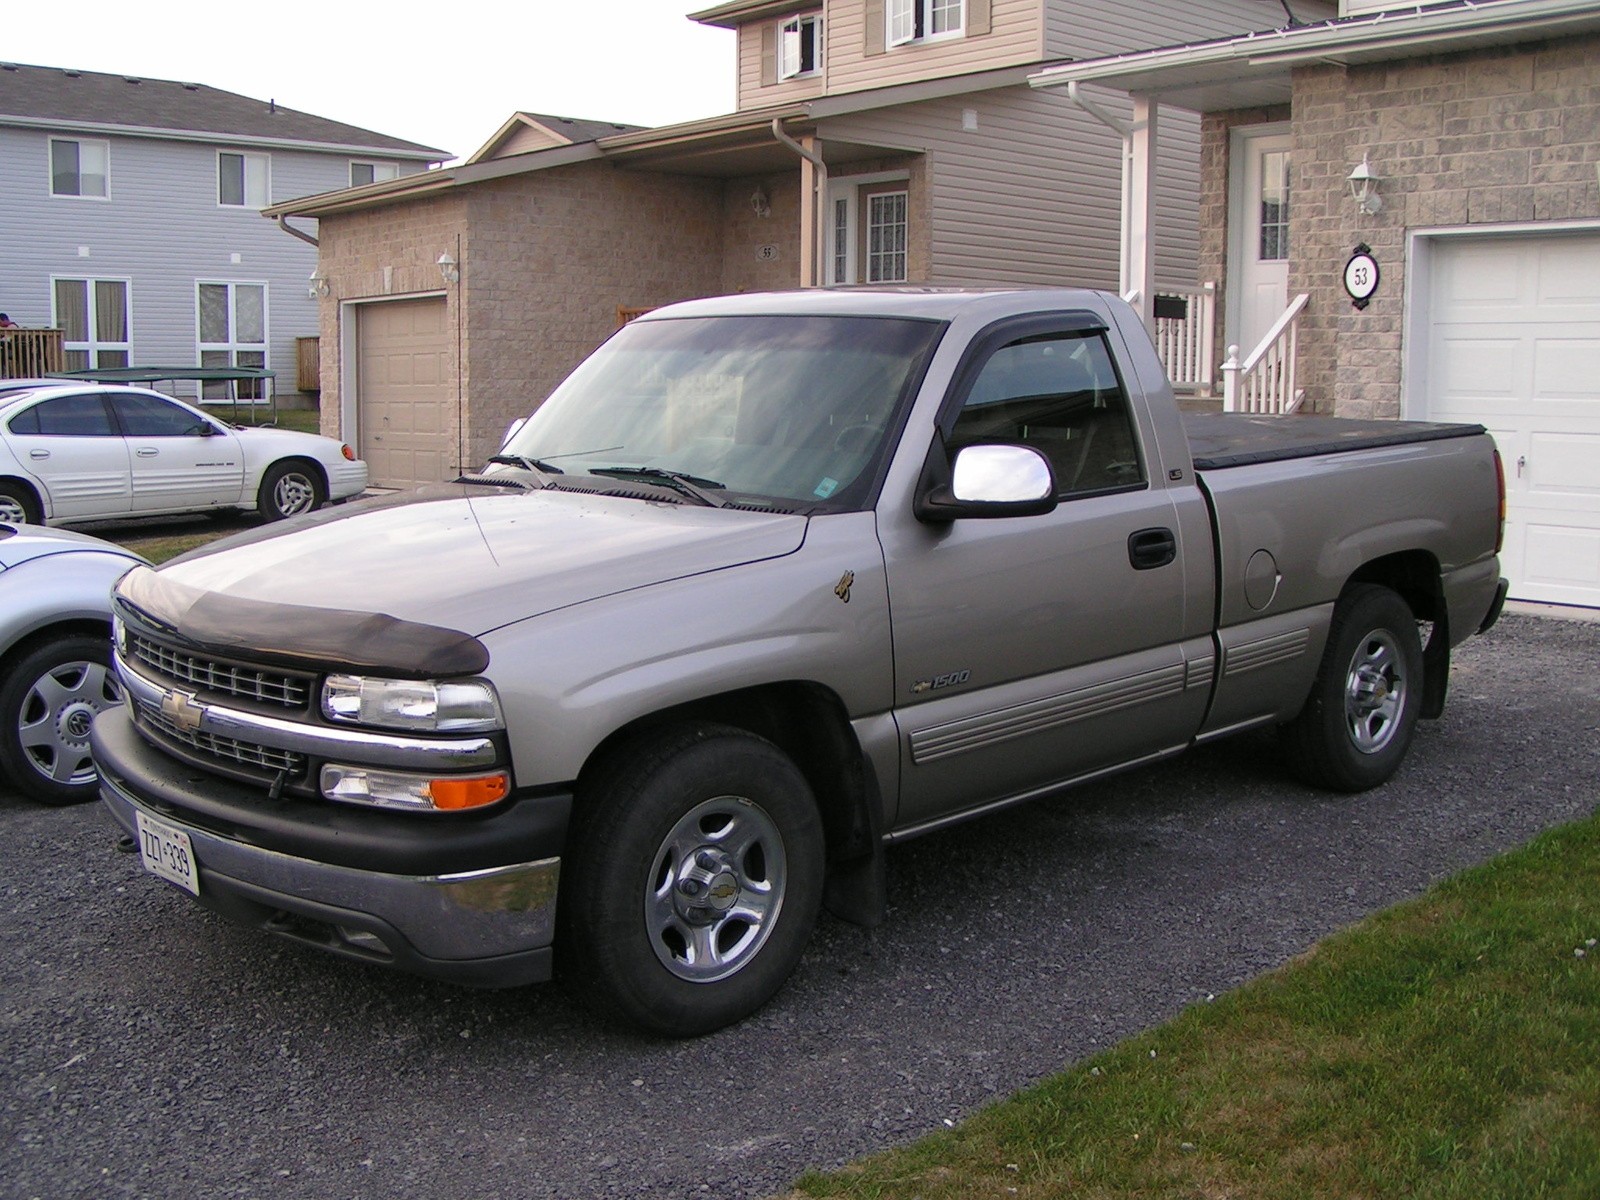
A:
[26, 353]
[1265, 381]
[1184, 338]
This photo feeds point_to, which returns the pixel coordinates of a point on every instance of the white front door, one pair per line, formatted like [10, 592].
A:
[1513, 343]
[1259, 231]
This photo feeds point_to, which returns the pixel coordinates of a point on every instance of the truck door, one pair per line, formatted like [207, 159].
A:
[1033, 650]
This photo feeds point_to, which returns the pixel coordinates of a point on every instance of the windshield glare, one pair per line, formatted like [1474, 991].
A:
[793, 410]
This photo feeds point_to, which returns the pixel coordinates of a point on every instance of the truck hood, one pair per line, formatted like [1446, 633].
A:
[472, 559]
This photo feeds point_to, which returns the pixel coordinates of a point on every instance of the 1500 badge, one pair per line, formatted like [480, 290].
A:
[953, 679]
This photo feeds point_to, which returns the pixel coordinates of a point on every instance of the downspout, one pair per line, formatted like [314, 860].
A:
[1125, 131]
[283, 224]
[819, 200]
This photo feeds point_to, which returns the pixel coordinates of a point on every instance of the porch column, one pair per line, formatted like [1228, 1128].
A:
[1139, 215]
[809, 207]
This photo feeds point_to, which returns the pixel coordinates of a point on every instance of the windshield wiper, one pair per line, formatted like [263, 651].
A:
[692, 486]
[537, 465]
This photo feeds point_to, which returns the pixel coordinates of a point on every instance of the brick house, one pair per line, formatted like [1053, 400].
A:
[874, 140]
[1477, 127]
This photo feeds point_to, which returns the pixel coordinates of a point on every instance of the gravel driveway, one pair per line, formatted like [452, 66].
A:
[150, 1049]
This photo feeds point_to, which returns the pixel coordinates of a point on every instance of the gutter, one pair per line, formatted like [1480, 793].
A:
[283, 224]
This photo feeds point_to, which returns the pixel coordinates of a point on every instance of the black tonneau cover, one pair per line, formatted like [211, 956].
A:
[1221, 440]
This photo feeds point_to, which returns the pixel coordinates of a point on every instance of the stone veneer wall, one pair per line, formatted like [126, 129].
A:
[1491, 138]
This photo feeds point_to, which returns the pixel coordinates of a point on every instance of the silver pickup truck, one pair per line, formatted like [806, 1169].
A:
[769, 583]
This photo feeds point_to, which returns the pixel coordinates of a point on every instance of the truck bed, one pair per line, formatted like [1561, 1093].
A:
[1222, 440]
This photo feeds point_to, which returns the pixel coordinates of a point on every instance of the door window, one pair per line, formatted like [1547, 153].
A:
[1274, 245]
[233, 333]
[1060, 395]
[155, 416]
[92, 315]
[65, 416]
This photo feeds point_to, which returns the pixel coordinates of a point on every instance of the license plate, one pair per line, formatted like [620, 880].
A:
[166, 852]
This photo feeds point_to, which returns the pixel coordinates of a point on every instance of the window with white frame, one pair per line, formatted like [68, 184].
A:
[92, 315]
[923, 20]
[79, 167]
[800, 46]
[372, 172]
[869, 230]
[232, 323]
[243, 180]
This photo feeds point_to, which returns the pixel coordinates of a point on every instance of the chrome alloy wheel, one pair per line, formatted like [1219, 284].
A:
[53, 728]
[295, 493]
[715, 889]
[1374, 692]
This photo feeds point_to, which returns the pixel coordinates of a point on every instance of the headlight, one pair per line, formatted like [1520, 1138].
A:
[417, 705]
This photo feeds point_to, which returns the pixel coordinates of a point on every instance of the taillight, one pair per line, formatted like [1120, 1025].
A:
[1500, 483]
[350, 455]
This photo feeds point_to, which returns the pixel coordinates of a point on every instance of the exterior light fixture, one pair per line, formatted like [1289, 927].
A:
[759, 202]
[317, 286]
[1364, 188]
[448, 268]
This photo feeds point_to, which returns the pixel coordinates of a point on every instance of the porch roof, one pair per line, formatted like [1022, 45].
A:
[724, 146]
[1253, 70]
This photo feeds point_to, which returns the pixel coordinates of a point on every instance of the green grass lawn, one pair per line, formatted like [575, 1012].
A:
[1449, 1047]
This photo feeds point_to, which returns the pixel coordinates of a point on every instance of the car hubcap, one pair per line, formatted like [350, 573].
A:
[11, 511]
[294, 494]
[56, 714]
[715, 889]
[1375, 692]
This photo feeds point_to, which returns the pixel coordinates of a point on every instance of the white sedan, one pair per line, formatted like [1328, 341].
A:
[94, 452]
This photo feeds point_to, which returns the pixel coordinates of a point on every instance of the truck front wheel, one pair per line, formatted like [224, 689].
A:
[1357, 723]
[693, 879]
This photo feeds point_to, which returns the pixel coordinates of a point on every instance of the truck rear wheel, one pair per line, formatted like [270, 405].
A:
[693, 880]
[1357, 723]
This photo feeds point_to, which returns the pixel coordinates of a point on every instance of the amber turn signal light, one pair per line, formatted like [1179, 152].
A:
[468, 793]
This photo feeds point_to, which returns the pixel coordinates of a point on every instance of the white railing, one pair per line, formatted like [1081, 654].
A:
[1185, 342]
[1265, 381]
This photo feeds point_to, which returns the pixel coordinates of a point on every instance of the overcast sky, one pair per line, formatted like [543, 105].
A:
[445, 74]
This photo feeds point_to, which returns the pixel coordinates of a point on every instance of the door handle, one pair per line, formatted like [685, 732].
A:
[38, 454]
[1151, 548]
[1522, 461]
[147, 452]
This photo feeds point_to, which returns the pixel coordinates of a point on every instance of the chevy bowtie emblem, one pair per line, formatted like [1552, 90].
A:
[180, 708]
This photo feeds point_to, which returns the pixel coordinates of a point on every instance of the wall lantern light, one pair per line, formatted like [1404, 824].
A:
[1364, 188]
[317, 286]
[448, 268]
[759, 203]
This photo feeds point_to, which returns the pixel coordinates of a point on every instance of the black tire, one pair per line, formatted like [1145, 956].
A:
[46, 703]
[18, 504]
[1357, 723]
[290, 488]
[693, 879]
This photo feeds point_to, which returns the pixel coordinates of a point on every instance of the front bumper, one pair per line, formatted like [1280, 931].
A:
[467, 921]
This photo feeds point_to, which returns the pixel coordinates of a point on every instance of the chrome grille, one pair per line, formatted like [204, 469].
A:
[212, 675]
[249, 754]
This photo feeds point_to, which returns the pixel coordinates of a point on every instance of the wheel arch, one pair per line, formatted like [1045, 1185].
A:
[317, 468]
[28, 486]
[1416, 577]
[809, 723]
[40, 634]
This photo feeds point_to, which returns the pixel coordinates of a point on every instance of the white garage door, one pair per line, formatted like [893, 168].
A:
[1515, 346]
[405, 392]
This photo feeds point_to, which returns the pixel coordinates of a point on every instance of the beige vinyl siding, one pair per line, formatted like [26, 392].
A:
[528, 138]
[1016, 36]
[1074, 29]
[753, 93]
[1033, 195]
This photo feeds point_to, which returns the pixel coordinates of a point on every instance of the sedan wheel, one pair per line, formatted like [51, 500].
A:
[287, 490]
[47, 705]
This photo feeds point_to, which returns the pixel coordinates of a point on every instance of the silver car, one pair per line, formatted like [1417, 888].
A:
[55, 630]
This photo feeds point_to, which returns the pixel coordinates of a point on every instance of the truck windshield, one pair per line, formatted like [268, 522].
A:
[791, 410]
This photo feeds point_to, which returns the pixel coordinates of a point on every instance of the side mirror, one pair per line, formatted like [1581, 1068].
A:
[512, 430]
[996, 480]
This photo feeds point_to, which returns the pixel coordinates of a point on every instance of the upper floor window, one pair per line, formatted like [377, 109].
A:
[92, 315]
[923, 20]
[244, 180]
[800, 46]
[372, 172]
[79, 168]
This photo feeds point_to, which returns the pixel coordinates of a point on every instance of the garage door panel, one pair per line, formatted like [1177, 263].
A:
[1514, 345]
[405, 391]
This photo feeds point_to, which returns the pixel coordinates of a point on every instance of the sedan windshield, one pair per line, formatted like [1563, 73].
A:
[786, 410]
